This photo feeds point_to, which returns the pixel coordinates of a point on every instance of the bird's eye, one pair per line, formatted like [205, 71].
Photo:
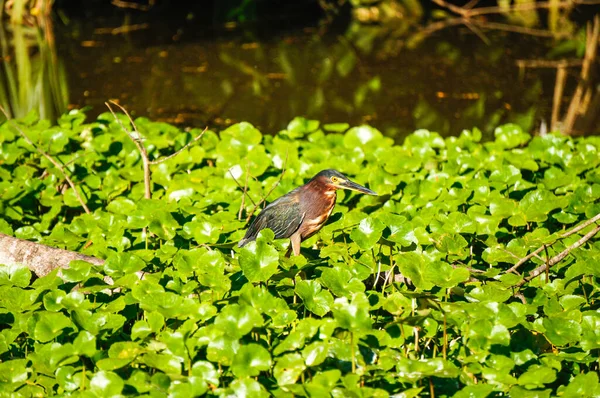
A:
[334, 179]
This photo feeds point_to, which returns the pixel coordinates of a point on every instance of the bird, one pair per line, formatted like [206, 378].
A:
[302, 212]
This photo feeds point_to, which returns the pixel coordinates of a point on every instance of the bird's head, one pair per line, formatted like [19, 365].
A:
[332, 180]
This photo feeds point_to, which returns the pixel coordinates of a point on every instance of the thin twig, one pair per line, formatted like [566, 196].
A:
[138, 143]
[129, 4]
[243, 204]
[546, 63]
[477, 32]
[121, 29]
[165, 158]
[515, 29]
[240, 186]
[575, 108]
[561, 75]
[50, 159]
[260, 202]
[542, 268]
[566, 234]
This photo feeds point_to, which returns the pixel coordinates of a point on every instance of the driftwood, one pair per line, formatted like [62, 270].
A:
[40, 259]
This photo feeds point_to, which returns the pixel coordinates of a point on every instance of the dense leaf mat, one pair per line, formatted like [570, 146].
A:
[208, 318]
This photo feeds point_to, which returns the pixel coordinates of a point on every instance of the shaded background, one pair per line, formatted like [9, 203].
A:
[396, 65]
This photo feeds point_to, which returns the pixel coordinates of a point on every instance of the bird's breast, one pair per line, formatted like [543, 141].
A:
[316, 217]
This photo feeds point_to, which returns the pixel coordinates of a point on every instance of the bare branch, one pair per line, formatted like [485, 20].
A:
[50, 159]
[40, 259]
[165, 158]
[546, 63]
[566, 234]
[121, 29]
[554, 260]
[243, 204]
[240, 186]
[575, 108]
[129, 4]
[137, 141]
[270, 191]
[561, 77]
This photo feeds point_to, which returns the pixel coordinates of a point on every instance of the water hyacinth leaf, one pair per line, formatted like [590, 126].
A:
[123, 263]
[583, 385]
[15, 275]
[401, 230]
[537, 376]
[50, 325]
[353, 314]
[14, 371]
[443, 275]
[288, 369]
[167, 363]
[85, 344]
[510, 136]
[140, 330]
[106, 384]
[248, 388]
[250, 360]
[323, 383]
[65, 375]
[475, 391]
[341, 282]
[414, 266]
[206, 372]
[316, 300]
[412, 370]
[238, 320]
[590, 324]
[562, 332]
[536, 205]
[259, 260]
[52, 300]
[368, 233]
[163, 225]
[315, 353]
[203, 231]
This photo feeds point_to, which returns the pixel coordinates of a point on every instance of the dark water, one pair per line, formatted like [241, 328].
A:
[269, 72]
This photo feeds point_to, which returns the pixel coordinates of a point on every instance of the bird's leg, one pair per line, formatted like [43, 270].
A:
[295, 245]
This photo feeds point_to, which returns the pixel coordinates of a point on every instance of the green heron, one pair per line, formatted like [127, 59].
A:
[302, 212]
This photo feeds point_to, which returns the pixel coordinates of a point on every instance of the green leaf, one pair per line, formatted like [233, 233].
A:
[50, 325]
[316, 300]
[163, 225]
[562, 332]
[14, 371]
[368, 233]
[315, 353]
[510, 136]
[443, 275]
[15, 275]
[238, 320]
[341, 282]
[106, 384]
[259, 260]
[414, 267]
[250, 360]
[537, 377]
[582, 385]
[288, 369]
[410, 370]
[248, 388]
[123, 263]
[353, 315]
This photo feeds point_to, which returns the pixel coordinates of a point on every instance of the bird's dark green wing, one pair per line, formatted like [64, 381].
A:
[283, 217]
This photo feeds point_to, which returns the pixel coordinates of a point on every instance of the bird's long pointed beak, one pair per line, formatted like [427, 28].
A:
[351, 185]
